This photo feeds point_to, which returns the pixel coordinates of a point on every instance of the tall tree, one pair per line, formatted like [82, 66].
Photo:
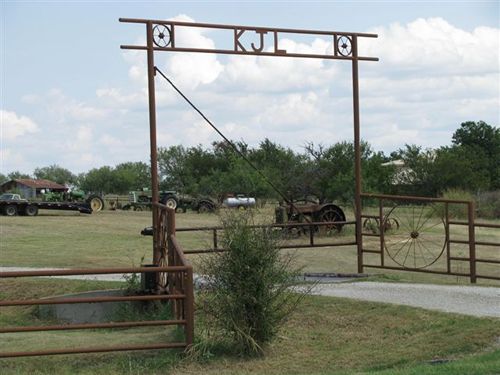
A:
[55, 173]
[457, 167]
[98, 180]
[481, 138]
[416, 179]
[132, 176]
[16, 175]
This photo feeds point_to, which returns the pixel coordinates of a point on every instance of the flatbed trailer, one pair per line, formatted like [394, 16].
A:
[27, 208]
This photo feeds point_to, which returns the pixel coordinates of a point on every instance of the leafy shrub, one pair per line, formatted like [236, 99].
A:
[488, 205]
[249, 295]
[455, 210]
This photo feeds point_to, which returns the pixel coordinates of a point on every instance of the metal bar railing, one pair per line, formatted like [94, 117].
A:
[472, 241]
[412, 198]
[67, 327]
[91, 271]
[182, 308]
[311, 232]
[97, 349]
[128, 324]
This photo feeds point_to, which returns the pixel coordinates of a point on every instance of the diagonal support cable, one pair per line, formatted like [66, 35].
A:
[233, 146]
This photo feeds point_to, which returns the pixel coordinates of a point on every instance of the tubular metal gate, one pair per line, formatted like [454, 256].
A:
[421, 235]
[179, 291]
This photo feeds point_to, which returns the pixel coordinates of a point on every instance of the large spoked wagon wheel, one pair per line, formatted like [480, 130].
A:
[418, 239]
[96, 203]
[331, 216]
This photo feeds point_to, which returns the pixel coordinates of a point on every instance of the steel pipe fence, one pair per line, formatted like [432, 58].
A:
[308, 233]
[179, 292]
[417, 234]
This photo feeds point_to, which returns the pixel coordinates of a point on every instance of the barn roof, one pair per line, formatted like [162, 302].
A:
[40, 184]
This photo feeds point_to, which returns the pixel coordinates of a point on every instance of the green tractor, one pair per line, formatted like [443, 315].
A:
[95, 201]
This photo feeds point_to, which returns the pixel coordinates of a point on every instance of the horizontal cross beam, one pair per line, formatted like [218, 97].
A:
[250, 40]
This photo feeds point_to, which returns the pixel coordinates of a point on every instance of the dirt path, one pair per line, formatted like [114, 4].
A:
[468, 300]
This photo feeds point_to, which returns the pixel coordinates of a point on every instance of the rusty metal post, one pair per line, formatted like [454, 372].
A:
[357, 151]
[170, 232]
[189, 307]
[153, 146]
[472, 242]
[215, 238]
[381, 229]
[447, 236]
[171, 281]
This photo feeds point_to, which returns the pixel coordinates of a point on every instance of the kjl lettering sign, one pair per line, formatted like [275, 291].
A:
[239, 47]
[249, 40]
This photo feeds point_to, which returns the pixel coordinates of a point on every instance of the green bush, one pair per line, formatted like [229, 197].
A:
[488, 205]
[455, 210]
[249, 295]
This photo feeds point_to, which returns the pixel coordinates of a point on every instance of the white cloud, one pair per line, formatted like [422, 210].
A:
[14, 126]
[291, 112]
[84, 135]
[281, 74]
[190, 70]
[110, 141]
[66, 109]
[435, 46]
[431, 77]
[116, 98]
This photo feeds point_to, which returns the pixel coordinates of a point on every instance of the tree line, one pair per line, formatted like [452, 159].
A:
[471, 163]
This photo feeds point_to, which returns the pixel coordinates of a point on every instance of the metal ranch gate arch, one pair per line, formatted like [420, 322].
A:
[420, 244]
[161, 36]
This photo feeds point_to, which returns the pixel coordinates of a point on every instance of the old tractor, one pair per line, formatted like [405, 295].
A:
[309, 213]
[143, 199]
[75, 196]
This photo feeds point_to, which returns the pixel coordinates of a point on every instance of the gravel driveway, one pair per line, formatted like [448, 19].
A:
[468, 300]
[461, 299]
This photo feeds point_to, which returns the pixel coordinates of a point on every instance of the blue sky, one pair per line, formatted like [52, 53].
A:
[70, 96]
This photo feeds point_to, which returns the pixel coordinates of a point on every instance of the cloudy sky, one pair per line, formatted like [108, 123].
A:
[70, 96]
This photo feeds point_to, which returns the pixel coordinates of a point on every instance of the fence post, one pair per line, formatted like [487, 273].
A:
[170, 232]
[447, 236]
[472, 241]
[311, 235]
[381, 230]
[189, 307]
[171, 278]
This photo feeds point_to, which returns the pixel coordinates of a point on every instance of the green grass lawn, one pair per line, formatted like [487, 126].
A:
[324, 336]
[112, 238]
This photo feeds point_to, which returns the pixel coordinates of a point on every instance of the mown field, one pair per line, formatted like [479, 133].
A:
[112, 238]
[325, 335]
